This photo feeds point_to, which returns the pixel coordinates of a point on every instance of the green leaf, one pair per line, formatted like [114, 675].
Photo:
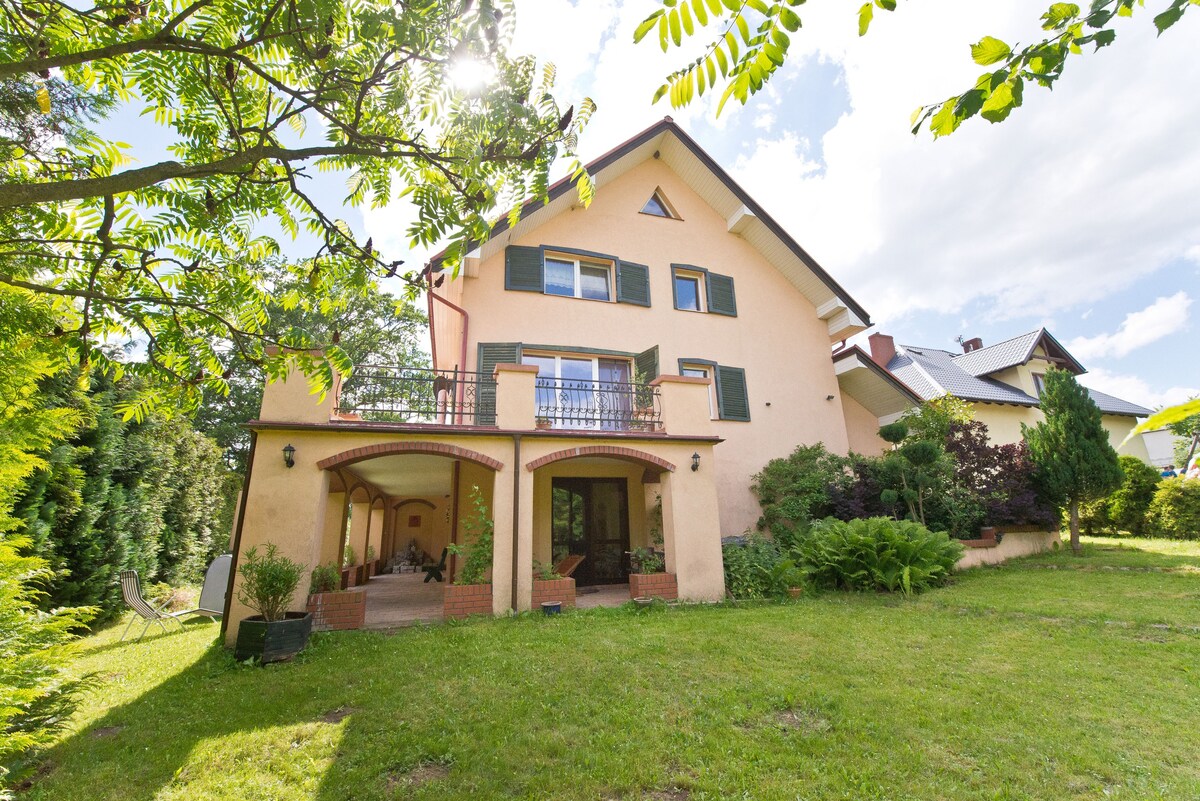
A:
[688, 26]
[1002, 101]
[1168, 18]
[1105, 38]
[1165, 417]
[646, 25]
[944, 122]
[989, 50]
[662, 90]
[789, 19]
[886, 5]
[1058, 14]
[673, 21]
[759, 6]
[865, 14]
[701, 13]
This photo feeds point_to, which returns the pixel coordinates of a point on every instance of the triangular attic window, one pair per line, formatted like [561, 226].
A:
[658, 206]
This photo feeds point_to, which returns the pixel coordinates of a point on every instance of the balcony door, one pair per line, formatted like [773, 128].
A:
[581, 392]
[590, 517]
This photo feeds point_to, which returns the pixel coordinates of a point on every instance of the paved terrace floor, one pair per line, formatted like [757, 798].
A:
[395, 600]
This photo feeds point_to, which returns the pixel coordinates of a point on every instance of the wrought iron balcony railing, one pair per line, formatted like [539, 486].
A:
[386, 394]
[597, 405]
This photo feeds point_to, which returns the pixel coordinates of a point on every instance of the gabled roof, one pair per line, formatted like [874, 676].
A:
[667, 141]
[876, 389]
[1017, 350]
[932, 372]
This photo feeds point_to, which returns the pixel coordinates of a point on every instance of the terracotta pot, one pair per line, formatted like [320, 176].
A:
[795, 592]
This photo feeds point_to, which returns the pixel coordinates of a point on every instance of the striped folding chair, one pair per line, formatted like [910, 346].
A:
[131, 591]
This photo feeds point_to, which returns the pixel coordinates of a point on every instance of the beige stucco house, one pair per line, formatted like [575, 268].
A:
[1003, 382]
[655, 349]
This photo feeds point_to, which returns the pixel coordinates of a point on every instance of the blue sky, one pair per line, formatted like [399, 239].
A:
[1081, 213]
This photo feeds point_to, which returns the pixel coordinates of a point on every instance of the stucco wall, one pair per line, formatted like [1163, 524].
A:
[776, 337]
[1004, 426]
[1012, 545]
[862, 429]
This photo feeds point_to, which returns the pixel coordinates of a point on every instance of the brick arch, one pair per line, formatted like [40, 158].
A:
[648, 460]
[393, 448]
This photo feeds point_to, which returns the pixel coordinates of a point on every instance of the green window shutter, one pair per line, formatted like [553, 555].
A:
[491, 354]
[646, 364]
[633, 283]
[721, 299]
[732, 401]
[523, 268]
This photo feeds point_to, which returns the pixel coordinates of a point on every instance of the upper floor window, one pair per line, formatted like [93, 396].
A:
[702, 371]
[699, 289]
[689, 291]
[1039, 383]
[659, 206]
[575, 274]
[575, 278]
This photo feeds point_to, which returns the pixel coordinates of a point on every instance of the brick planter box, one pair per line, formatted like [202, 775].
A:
[462, 600]
[370, 568]
[653, 585]
[561, 590]
[338, 611]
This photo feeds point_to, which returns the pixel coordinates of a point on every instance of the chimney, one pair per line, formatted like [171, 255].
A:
[883, 349]
[972, 344]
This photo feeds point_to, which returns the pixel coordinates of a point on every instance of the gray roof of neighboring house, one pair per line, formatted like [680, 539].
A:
[1012, 352]
[932, 372]
[1110, 405]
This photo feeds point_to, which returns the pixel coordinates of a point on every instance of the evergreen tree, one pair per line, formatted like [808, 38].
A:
[1075, 462]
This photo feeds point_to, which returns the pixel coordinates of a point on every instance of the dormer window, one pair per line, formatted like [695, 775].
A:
[659, 206]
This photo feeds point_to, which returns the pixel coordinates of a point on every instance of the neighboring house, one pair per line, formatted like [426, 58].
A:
[1003, 382]
[591, 366]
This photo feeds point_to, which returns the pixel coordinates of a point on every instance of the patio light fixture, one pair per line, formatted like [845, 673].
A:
[695, 462]
[289, 454]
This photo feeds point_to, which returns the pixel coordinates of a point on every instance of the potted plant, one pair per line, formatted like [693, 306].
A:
[350, 573]
[543, 423]
[471, 592]
[648, 577]
[369, 562]
[332, 608]
[550, 590]
[786, 577]
[269, 581]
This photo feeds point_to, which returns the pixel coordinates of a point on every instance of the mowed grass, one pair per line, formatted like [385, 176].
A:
[1052, 678]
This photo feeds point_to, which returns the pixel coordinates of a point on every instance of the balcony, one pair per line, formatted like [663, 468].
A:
[416, 396]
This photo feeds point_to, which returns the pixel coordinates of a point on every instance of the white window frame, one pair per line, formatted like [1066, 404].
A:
[1039, 383]
[701, 289]
[595, 379]
[577, 264]
[706, 371]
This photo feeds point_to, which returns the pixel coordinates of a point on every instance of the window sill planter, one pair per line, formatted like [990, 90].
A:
[554, 591]
[274, 641]
[464, 600]
[653, 585]
[338, 611]
[543, 424]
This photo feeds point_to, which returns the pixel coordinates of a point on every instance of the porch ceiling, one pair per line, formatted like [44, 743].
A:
[402, 475]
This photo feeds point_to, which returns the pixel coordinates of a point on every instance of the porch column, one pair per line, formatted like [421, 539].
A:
[360, 518]
[375, 533]
[692, 529]
[502, 539]
[331, 538]
[525, 540]
[285, 507]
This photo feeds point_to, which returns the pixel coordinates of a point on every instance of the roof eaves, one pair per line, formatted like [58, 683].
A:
[883, 372]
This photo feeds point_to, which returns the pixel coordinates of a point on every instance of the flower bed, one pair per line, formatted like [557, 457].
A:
[561, 590]
[653, 585]
[338, 611]
[462, 600]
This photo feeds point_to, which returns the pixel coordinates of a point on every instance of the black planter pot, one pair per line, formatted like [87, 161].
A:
[274, 641]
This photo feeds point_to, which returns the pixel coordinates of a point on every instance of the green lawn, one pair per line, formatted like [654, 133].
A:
[1052, 678]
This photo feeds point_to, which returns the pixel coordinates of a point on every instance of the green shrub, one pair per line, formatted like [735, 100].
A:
[795, 490]
[37, 691]
[876, 553]
[325, 578]
[349, 557]
[750, 568]
[1175, 510]
[1128, 505]
[268, 582]
[646, 560]
[477, 555]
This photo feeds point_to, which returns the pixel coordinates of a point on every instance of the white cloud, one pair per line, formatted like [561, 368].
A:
[1135, 390]
[1164, 317]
